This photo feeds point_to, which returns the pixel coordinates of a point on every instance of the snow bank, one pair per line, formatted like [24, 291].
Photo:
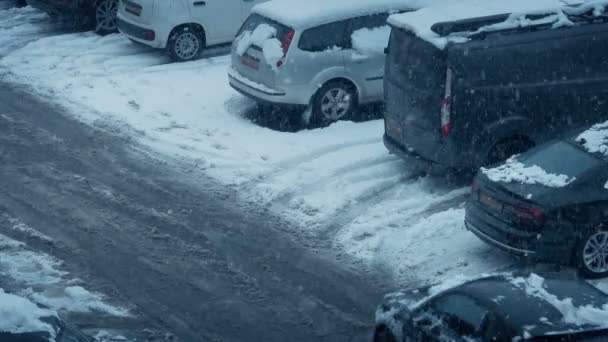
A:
[595, 139]
[372, 41]
[514, 171]
[299, 14]
[19, 315]
[421, 21]
[580, 316]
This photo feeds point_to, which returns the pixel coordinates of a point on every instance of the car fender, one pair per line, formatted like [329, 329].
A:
[331, 74]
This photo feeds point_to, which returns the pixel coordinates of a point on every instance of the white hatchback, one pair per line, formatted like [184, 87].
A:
[183, 27]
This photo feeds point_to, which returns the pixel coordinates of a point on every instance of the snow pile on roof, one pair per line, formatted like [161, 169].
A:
[595, 139]
[372, 41]
[19, 315]
[298, 14]
[514, 171]
[421, 21]
[581, 316]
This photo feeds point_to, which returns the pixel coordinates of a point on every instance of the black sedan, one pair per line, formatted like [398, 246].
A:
[63, 333]
[550, 203]
[497, 308]
[98, 15]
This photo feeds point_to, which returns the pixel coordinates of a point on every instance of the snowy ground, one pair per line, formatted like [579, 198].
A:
[338, 184]
[39, 278]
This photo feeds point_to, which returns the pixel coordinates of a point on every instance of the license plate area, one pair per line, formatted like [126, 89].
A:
[250, 61]
[490, 202]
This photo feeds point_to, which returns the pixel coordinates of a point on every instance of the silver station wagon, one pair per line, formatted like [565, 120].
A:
[325, 55]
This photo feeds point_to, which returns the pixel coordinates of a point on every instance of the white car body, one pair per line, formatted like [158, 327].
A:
[219, 19]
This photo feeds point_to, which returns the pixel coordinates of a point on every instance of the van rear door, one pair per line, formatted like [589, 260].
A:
[414, 87]
[221, 18]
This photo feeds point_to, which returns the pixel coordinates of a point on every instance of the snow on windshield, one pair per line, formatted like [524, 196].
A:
[595, 139]
[263, 36]
[19, 315]
[515, 171]
[372, 41]
[421, 21]
[534, 285]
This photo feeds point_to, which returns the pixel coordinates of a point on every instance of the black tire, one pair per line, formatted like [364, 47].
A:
[104, 17]
[324, 112]
[185, 44]
[592, 268]
[504, 149]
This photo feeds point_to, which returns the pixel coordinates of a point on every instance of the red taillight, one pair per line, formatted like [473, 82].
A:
[446, 105]
[528, 213]
[285, 44]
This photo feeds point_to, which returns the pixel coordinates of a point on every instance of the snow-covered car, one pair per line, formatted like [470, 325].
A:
[466, 93]
[499, 308]
[326, 54]
[24, 321]
[98, 15]
[550, 203]
[184, 28]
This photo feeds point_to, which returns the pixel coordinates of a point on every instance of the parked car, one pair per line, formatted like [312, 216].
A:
[496, 89]
[498, 308]
[184, 28]
[549, 203]
[98, 15]
[324, 55]
[63, 333]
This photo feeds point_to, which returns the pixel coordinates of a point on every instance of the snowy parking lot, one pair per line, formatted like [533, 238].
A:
[338, 184]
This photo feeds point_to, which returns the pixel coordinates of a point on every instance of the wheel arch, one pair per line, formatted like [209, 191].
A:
[191, 25]
[320, 85]
[513, 128]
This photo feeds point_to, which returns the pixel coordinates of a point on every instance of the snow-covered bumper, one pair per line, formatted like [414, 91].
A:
[548, 244]
[141, 33]
[289, 94]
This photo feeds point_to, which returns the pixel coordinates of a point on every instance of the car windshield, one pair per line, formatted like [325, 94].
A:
[263, 170]
[561, 158]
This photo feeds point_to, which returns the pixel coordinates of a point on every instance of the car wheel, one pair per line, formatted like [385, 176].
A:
[185, 44]
[336, 100]
[104, 19]
[504, 149]
[592, 254]
[384, 334]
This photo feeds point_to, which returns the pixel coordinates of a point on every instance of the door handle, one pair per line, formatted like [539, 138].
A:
[199, 3]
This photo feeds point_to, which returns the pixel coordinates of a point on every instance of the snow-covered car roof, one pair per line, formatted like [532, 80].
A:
[421, 22]
[315, 12]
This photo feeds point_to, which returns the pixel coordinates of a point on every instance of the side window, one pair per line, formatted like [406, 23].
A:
[324, 37]
[369, 21]
[462, 314]
[365, 23]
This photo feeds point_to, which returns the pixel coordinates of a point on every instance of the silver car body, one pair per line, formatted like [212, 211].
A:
[304, 72]
[220, 19]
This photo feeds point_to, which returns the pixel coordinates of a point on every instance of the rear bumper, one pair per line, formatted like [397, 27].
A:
[142, 33]
[295, 95]
[54, 7]
[544, 245]
[414, 160]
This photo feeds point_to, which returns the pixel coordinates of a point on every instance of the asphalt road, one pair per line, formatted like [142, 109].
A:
[190, 259]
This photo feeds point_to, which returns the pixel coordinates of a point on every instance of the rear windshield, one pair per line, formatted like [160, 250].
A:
[255, 20]
[561, 158]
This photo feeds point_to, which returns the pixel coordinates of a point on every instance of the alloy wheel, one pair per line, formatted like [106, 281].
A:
[187, 46]
[105, 15]
[335, 104]
[595, 253]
